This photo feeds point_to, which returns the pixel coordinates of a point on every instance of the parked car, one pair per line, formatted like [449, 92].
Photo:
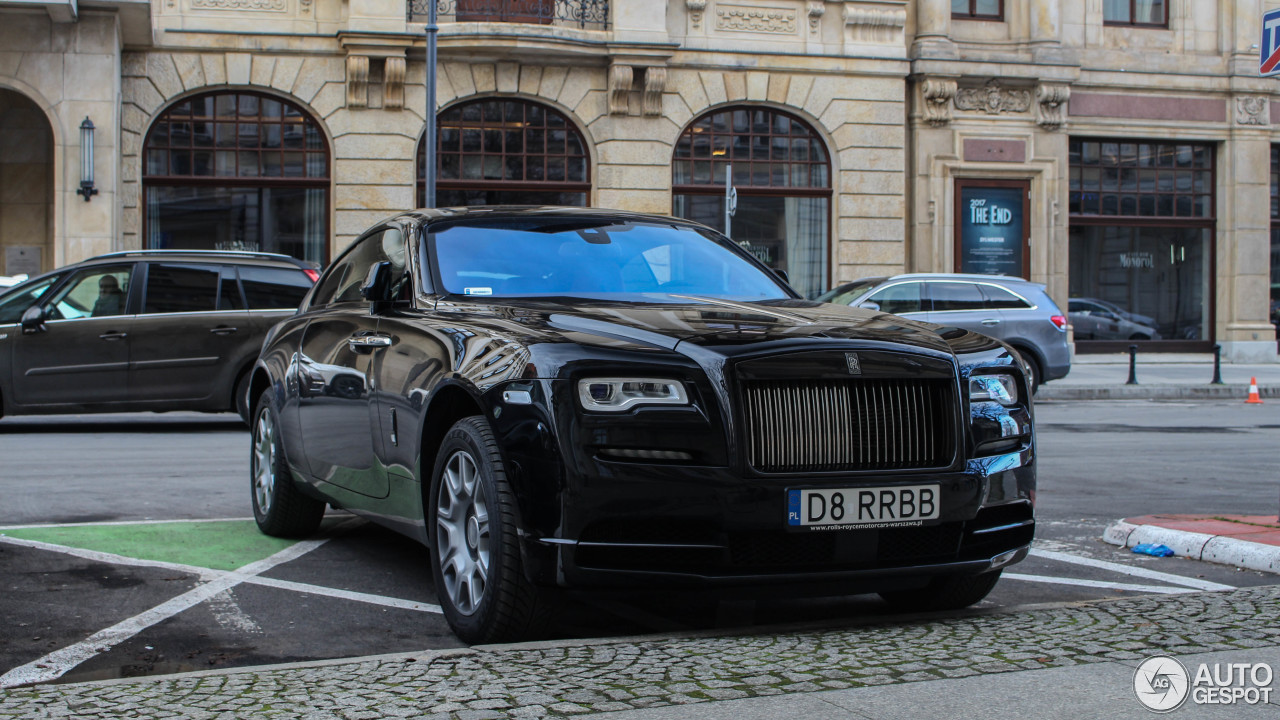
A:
[572, 398]
[1095, 319]
[1016, 311]
[11, 280]
[143, 330]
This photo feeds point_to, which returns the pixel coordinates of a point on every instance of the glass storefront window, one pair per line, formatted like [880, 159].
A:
[237, 171]
[1139, 283]
[1141, 239]
[782, 175]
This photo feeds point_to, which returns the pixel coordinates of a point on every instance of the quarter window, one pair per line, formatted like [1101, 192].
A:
[1001, 299]
[273, 288]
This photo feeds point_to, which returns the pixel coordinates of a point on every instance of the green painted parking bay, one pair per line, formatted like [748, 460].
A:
[216, 544]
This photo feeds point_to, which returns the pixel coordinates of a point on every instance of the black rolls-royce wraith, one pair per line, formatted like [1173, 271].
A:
[560, 397]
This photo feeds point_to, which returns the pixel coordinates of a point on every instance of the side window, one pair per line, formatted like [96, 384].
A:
[898, 299]
[268, 288]
[953, 296]
[17, 302]
[341, 284]
[95, 292]
[1000, 299]
[229, 297]
[182, 288]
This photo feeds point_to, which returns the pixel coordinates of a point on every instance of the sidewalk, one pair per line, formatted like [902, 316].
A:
[1161, 376]
[1070, 661]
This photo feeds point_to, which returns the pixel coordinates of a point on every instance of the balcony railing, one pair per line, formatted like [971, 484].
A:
[584, 14]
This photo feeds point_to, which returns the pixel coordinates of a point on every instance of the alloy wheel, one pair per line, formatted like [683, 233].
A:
[463, 533]
[264, 461]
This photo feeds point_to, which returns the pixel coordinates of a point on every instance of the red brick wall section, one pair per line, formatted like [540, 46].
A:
[1148, 108]
[983, 150]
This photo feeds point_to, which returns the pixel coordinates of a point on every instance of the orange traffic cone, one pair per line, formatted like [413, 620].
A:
[1253, 392]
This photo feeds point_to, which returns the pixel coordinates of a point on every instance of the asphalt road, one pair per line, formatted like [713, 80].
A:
[130, 602]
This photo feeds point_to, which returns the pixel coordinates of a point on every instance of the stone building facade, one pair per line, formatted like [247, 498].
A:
[858, 133]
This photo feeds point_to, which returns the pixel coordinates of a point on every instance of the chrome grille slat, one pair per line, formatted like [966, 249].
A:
[855, 424]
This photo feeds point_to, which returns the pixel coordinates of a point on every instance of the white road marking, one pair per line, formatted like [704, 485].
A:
[1131, 570]
[108, 523]
[345, 594]
[59, 662]
[228, 613]
[1163, 590]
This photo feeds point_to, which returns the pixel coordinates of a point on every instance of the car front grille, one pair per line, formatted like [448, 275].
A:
[856, 424]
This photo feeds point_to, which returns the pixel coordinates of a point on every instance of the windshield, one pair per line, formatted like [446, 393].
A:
[15, 302]
[550, 257]
[846, 294]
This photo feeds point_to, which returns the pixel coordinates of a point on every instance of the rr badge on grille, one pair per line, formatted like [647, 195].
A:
[851, 359]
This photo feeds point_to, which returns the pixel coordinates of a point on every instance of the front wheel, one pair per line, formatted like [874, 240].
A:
[475, 558]
[1031, 369]
[950, 592]
[279, 508]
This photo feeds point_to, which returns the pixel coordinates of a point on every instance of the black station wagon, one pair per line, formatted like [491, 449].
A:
[144, 330]
[570, 398]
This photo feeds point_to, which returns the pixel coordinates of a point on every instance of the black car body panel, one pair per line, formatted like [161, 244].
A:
[165, 345]
[686, 495]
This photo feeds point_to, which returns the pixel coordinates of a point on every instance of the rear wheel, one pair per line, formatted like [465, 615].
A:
[950, 592]
[475, 558]
[279, 508]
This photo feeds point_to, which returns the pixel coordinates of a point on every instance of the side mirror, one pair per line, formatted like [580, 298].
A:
[376, 285]
[33, 320]
[783, 274]
[869, 305]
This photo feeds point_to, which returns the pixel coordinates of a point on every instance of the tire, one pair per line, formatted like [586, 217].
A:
[279, 508]
[1032, 369]
[1139, 336]
[241, 401]
[950, 592]
[475, 556]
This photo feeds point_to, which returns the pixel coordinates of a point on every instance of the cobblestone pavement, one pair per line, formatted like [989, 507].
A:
[558, 680]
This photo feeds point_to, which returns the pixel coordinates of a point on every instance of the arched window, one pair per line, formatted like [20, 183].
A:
[782, 176]
[507, 152]
[237, 171]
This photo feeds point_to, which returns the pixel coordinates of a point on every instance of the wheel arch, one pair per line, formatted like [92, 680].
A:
[449, 404]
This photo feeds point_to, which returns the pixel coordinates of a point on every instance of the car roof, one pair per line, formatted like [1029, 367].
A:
[487, 212]
[205, 255]
[975, 277]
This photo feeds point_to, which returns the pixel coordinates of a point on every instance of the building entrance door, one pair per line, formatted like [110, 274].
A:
[26, 186]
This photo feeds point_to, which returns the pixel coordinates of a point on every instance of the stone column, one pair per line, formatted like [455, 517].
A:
[1244, 236]
[933, 30]
[1244, 35]
[1046, 31]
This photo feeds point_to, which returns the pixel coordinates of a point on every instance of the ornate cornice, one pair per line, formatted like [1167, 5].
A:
[937, 94]
[993, 99]
[741, 18]
[1051, 99]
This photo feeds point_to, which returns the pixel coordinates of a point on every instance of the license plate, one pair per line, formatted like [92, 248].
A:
[822, 508]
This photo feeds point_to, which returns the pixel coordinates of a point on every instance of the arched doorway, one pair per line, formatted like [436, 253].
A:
[237, 171]
[782, 174]
[507, 151]
[26, 186]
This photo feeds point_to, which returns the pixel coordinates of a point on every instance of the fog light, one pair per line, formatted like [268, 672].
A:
[1003, 559]
[633, 454]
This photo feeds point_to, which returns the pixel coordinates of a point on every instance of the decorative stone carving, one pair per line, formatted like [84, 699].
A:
[620, 79]
[873, 25]
[393, 83]
[357, 81]
[1051, 99]
[776, 21]
[937, 94]
[259, 5]
[1252, 110]
[816, 10]
[305, 6]
[696, 8]
[655, 81]
[993, 99]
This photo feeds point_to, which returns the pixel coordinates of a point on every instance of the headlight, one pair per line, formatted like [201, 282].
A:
[618, 394]
[1000, 388]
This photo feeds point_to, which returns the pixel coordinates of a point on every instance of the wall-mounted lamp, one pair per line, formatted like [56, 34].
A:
[86, 160]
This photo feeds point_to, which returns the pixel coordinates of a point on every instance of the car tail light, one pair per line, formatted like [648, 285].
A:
[315, 275]
[1060, 321]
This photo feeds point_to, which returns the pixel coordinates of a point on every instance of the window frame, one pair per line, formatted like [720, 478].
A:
[1164, 25]
[973, 13]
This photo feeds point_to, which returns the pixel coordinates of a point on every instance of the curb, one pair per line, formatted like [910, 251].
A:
[1152, 392]
[1197, 546]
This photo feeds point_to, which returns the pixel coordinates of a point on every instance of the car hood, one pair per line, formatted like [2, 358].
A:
[712, 324]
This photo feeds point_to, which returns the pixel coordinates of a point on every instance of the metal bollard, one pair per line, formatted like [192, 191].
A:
[1133, 365]
[1217, 365]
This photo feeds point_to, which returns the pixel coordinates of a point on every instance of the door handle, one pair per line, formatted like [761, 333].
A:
[110, 336]
[223, 330]
[991, 322]
[368, 342]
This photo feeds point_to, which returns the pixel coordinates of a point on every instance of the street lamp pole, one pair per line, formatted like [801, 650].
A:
[429, 137]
